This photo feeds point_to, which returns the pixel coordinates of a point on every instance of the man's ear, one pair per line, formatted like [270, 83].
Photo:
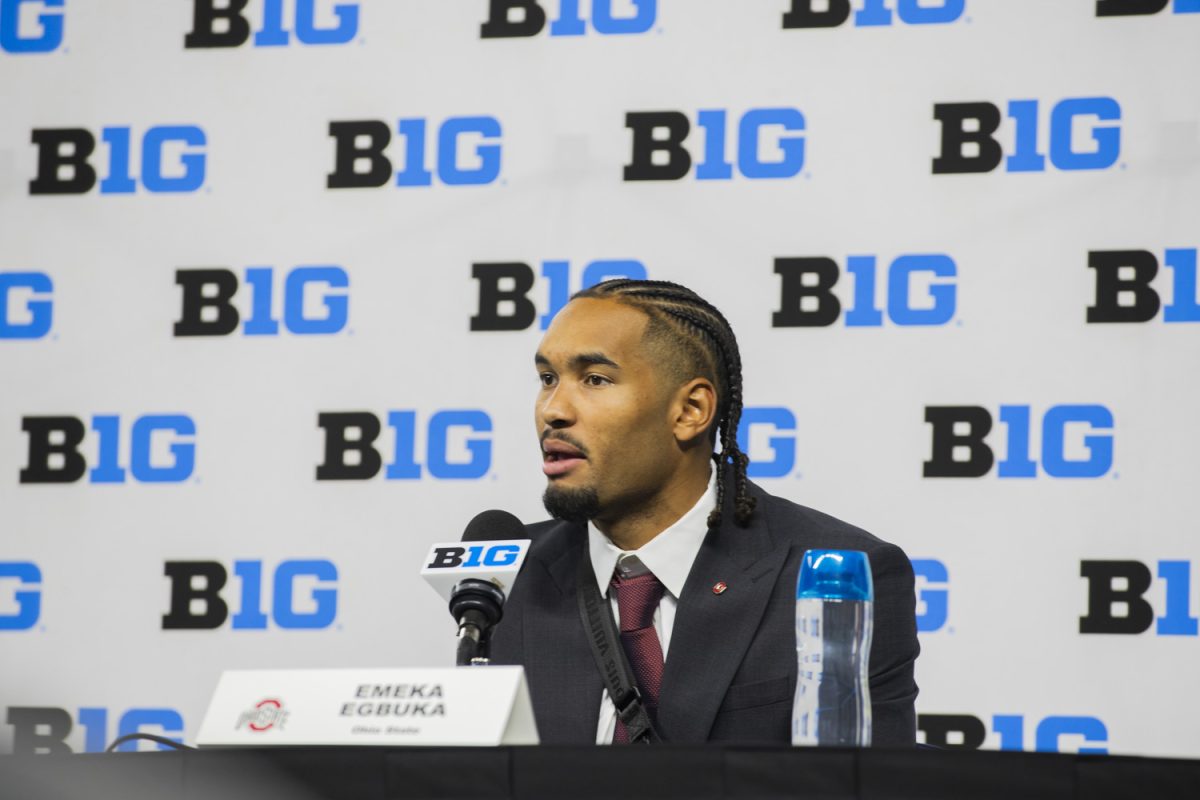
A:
[695, 410]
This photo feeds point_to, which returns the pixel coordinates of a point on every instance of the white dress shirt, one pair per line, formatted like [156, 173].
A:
[669, 555]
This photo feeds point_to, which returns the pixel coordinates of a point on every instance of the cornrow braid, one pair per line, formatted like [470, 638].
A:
[706, 335]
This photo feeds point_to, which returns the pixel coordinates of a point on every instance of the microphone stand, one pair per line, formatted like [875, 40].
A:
[477, 605]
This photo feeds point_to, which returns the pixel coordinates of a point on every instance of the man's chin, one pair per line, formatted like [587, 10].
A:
[571, 504]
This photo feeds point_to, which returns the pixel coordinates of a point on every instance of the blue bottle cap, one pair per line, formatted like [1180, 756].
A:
[835, 575]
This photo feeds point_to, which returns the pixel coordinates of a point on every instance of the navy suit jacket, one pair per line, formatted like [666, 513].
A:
[730, 672]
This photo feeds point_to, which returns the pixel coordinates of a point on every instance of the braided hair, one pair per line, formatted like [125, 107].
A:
[695, 329]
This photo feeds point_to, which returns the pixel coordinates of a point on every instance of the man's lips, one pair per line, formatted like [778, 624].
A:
[559, 458]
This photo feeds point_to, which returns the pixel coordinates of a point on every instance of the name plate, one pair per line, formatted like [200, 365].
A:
[450, 706]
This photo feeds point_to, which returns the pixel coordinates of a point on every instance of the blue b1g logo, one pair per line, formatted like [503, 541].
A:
[303, 595]
[1053, 734]
[968, 144]
[63, 165]
[776, 426]
[460, 151]
[768, 142]
[31, 26]
[55, 457]
[933, 594]
[871, 13]
[26, 305]
[223, 23]
[458, 445]
[505, 288]
[960, 451]
[42, 729]
[207, 307]
[921, 290]
[519, 18]
[25, 600]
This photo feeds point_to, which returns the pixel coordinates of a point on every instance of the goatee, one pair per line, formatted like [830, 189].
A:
[571, 505]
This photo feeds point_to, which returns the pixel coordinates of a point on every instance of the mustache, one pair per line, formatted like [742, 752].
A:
[563, 437]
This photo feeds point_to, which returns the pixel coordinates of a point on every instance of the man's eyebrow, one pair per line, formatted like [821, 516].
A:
[580, 361]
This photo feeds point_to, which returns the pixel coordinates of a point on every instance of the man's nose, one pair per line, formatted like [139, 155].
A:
[556, 409]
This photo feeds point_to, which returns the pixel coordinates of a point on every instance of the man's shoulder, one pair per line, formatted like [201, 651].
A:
[800, 524]
[551, 538]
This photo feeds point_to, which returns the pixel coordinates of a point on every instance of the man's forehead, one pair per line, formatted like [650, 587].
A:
[595, 325]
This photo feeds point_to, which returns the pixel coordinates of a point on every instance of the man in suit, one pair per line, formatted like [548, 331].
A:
[639, 381]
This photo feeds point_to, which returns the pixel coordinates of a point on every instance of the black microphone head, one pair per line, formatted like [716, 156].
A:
[494, 525]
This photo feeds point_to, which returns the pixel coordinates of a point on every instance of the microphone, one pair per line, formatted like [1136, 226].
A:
[475, 576]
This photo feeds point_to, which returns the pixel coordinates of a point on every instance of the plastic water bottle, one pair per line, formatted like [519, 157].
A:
[834, 598]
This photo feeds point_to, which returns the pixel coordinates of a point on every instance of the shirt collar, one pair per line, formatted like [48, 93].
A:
[669, 555]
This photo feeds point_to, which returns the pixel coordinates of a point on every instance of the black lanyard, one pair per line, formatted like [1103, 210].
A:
[609, 654]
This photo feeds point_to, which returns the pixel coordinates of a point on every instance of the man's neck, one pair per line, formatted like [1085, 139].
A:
[635, 528]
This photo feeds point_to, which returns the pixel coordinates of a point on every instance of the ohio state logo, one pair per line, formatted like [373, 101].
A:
[265, 715]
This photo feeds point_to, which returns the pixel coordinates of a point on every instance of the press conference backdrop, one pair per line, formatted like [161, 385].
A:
[272, 274]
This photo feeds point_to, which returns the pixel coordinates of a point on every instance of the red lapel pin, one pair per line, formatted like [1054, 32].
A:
[719, 587]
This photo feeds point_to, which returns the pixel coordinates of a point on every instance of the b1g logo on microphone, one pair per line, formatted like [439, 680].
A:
[223, 23]
[26, 305]
[933, 594]
[31, 26]
[505, 286]
[160, 448]
[314, 301]
[871, 13]
[304, 595]
[20, 607]
[768, 429]
[516, 18]
[767, 142]
[460, 151]
[920, 290]
[475, 555]
[46, 729]
[1077, 442]
[1123, 291]
[458, 445]
[968, 143]
[172, 160]
[1053, 734]
[1129, 8]
[1121, 586]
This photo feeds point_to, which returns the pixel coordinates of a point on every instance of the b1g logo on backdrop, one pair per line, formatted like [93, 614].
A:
[172, 160]
[224, 23]
[1077, 442]
[767, 143]
[159, 448]
[767, 434]
[871, 13]
[1128, 8]
[933, 594]
[315, 301]
[304, 595]
[45, 729]
[1121, 586]
[458, 445]
[968, 142]
[26, 305]
[505, 286]
[1123, 291]
[31, 26]
[1053, 734]
[509, 19]
[20, 595]
[920, 290]
[459, 151]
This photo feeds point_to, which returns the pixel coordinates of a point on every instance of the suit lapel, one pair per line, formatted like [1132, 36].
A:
[713, 631]
[557, 654]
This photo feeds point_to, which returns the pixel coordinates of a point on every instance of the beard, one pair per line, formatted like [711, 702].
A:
[571, 505]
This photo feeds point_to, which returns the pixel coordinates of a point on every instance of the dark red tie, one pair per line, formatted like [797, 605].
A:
[637, 598]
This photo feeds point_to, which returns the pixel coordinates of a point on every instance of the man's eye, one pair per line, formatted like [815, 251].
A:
[596, 380]
[547, 378]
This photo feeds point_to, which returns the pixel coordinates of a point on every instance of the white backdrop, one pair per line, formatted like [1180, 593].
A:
[83, 590]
